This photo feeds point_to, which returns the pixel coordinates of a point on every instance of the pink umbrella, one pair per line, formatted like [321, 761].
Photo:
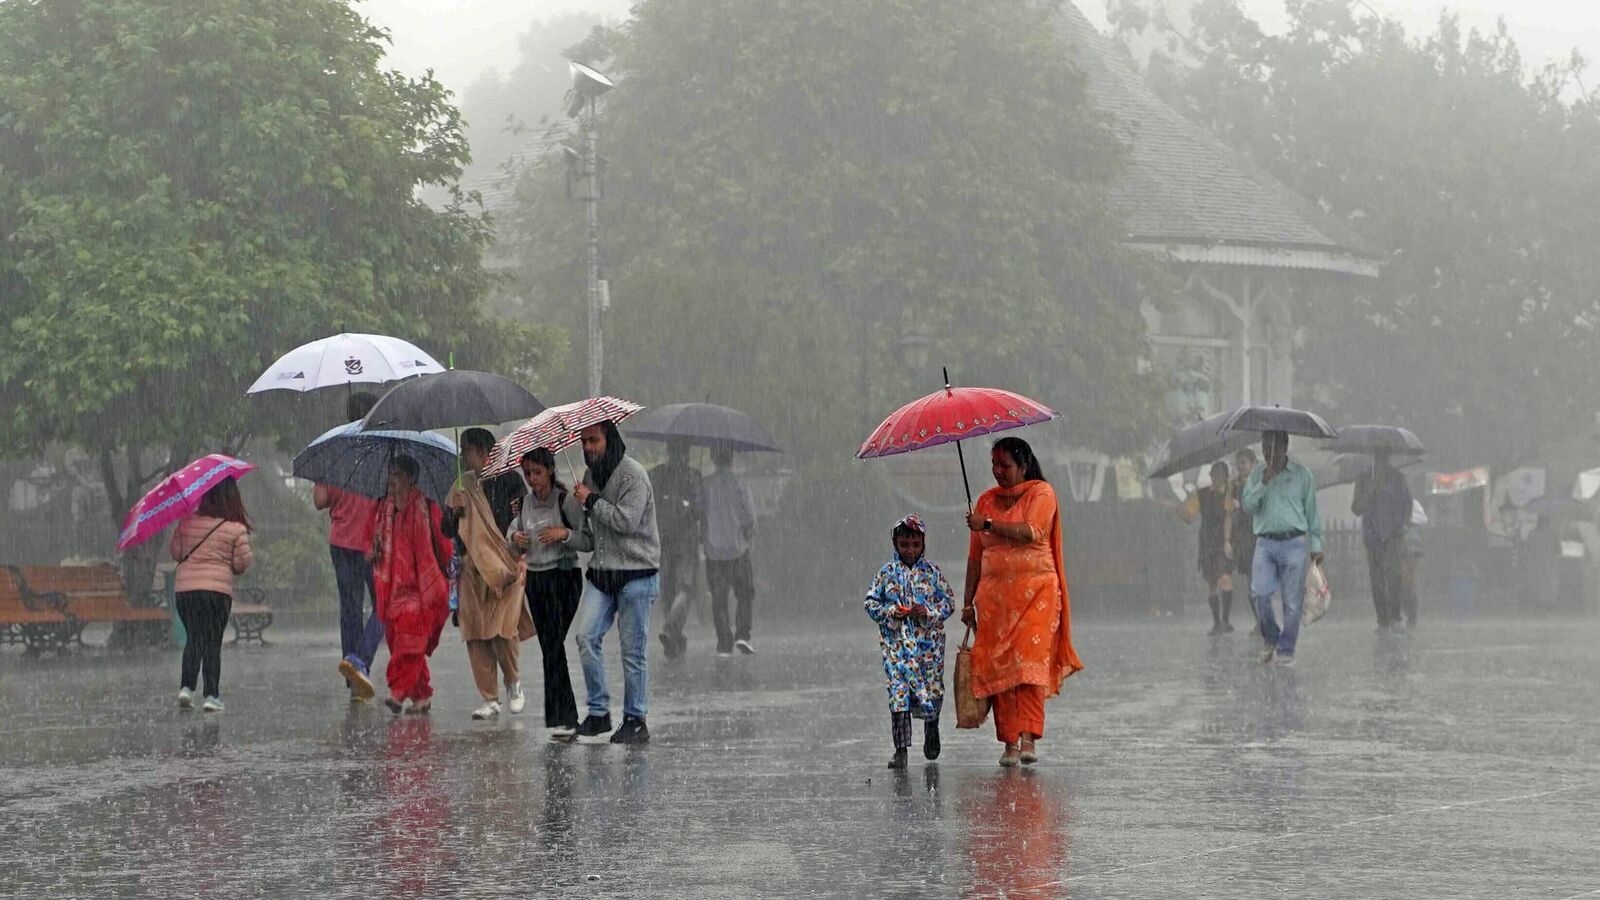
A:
[177, 496]
[555, 429]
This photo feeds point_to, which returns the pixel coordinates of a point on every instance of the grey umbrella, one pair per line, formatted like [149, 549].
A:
[1195, 445]
[704, 425]
[1377, 439]
[1278, 418]
[450, 400]
[1346, 469]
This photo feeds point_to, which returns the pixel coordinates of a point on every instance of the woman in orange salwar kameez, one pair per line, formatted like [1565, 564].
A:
[1017, 599]
[410, 554]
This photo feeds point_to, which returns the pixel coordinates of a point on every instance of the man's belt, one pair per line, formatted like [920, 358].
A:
[1282, 535]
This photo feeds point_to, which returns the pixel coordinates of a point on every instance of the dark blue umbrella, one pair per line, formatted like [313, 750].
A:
[354, 460]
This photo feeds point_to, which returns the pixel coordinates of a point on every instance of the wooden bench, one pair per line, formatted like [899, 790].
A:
[94, 594]
[37, 621]
[251, 616]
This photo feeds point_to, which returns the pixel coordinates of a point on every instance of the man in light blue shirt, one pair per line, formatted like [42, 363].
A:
[1281, 497]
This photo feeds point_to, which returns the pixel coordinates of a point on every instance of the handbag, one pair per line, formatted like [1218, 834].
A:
[971, 710]
[1319, 596]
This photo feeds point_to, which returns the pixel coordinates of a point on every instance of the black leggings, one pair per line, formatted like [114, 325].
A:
[205, 619]
[552, 601]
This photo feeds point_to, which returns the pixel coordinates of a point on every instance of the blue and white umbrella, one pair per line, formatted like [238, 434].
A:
[354, 460]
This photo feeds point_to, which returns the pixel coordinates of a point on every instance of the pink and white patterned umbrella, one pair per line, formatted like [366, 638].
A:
[555, 429]
[177, 496]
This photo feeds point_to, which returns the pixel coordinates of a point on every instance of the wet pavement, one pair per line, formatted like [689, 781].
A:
[1457, 762]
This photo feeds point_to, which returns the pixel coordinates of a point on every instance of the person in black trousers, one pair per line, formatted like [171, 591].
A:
[211, 547]
[548, 533]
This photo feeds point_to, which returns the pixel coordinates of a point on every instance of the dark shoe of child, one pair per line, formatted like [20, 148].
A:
[898, 761]
[930, 739]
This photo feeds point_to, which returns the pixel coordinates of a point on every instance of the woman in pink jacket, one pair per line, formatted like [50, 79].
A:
[211, 546]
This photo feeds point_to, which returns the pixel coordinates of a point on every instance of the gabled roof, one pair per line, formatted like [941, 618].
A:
[1188, 193]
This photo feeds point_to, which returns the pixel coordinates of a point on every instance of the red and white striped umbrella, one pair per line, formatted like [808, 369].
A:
[556, 429]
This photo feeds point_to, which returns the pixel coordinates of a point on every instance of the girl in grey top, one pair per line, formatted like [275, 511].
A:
[548, 531]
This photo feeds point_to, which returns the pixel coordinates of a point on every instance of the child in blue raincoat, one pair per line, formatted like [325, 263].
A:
[910, 600]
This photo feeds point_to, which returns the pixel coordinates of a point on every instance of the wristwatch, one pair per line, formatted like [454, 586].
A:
[988, 525]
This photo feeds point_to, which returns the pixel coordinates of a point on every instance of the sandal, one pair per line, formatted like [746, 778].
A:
[1029, 753]
[1010, 758]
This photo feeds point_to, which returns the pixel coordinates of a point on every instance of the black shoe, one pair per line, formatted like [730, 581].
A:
[930, 740]
[1227, 628]
[633, 731]
[669, 646]
[594, 726]
[898, 761]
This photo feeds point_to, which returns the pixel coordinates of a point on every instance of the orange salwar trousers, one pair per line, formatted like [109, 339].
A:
[1017, 711]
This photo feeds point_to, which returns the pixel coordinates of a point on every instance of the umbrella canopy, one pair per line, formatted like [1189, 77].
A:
[555, 429]
[1200, 443]
[354, 460]
[1377, 439]
[703, 425]
[450, 400]
[177, 496]
[1277, 418]
[1347, 468]
[345, 359]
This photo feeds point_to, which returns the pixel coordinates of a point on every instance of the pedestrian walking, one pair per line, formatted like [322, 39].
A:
[910, 599]
[211, 547]
[1213, 506]
[548, 534]
[1242, 537]
[1016, 597]
[1281, 498]
[622, 583]
[409, 556]
[730, 526]
[493, 614]
[1383, 501]
[680, 516]
[350, 518]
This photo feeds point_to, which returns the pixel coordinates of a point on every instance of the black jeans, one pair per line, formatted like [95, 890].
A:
[1384, 567]
[680, 561]
[205, 619]
[553, 601]
[721, 577]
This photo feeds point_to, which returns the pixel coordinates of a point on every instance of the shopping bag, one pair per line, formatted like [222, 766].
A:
[971, 710]
[1318, 595]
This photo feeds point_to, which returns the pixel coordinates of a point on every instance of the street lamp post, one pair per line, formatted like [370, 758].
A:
[587, 85]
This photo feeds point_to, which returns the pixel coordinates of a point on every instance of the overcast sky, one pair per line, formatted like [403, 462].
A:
[462, 39]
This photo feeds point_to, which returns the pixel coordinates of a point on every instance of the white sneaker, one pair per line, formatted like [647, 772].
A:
[185, 698]
[212, 704]
[517, 701]
[487, 711]
[744, 647]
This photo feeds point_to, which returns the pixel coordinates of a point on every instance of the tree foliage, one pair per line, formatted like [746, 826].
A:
[187, 190]
[1479, 177]
[794, 186]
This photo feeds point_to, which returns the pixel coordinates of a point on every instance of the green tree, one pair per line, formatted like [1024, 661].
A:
[1477, 175]
[188, 189]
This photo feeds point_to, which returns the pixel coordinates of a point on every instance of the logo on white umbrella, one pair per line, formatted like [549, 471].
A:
[352, 366]
[292, 376]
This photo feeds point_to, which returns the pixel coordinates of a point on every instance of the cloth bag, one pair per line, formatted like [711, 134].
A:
[1319, 596]
[971, 710]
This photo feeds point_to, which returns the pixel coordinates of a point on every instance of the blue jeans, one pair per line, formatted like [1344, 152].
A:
[357, 643]
[1279, 566]
[630, 607]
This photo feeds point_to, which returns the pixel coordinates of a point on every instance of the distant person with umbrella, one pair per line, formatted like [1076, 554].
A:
[351, 516]
[1242, 538]
[730, 525]
[680, 508]
[1383, 501]
[410, 555]
[1281, 498]
[623, 581]
[211, 547]
[493, 616]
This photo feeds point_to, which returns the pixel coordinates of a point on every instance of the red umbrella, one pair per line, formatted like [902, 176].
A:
[952, 415]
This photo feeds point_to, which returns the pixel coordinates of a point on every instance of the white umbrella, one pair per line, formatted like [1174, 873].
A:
[345, 359]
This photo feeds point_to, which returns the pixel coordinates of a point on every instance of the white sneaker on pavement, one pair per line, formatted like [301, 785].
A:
[185, 698]
[487, 711]
[516, 700]
[212, 704]
[745, 647]
[1266, 655]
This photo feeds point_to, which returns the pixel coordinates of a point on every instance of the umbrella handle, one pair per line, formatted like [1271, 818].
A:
[964, 483]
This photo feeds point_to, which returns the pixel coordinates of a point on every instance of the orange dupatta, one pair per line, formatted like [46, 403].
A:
[1016, 624]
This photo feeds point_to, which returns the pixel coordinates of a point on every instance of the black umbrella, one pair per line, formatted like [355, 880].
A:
[1195, 445]
[704, 425]
[450, 400]
[1376, 439]
[1346, 469]
[1277, 418]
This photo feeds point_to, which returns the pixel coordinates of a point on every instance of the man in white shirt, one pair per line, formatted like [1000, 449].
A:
[730, 523]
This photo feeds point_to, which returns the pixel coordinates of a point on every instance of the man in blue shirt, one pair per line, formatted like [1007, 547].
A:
[1281, 498]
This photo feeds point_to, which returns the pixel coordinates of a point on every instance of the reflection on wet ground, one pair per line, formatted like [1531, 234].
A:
[1457, 762]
